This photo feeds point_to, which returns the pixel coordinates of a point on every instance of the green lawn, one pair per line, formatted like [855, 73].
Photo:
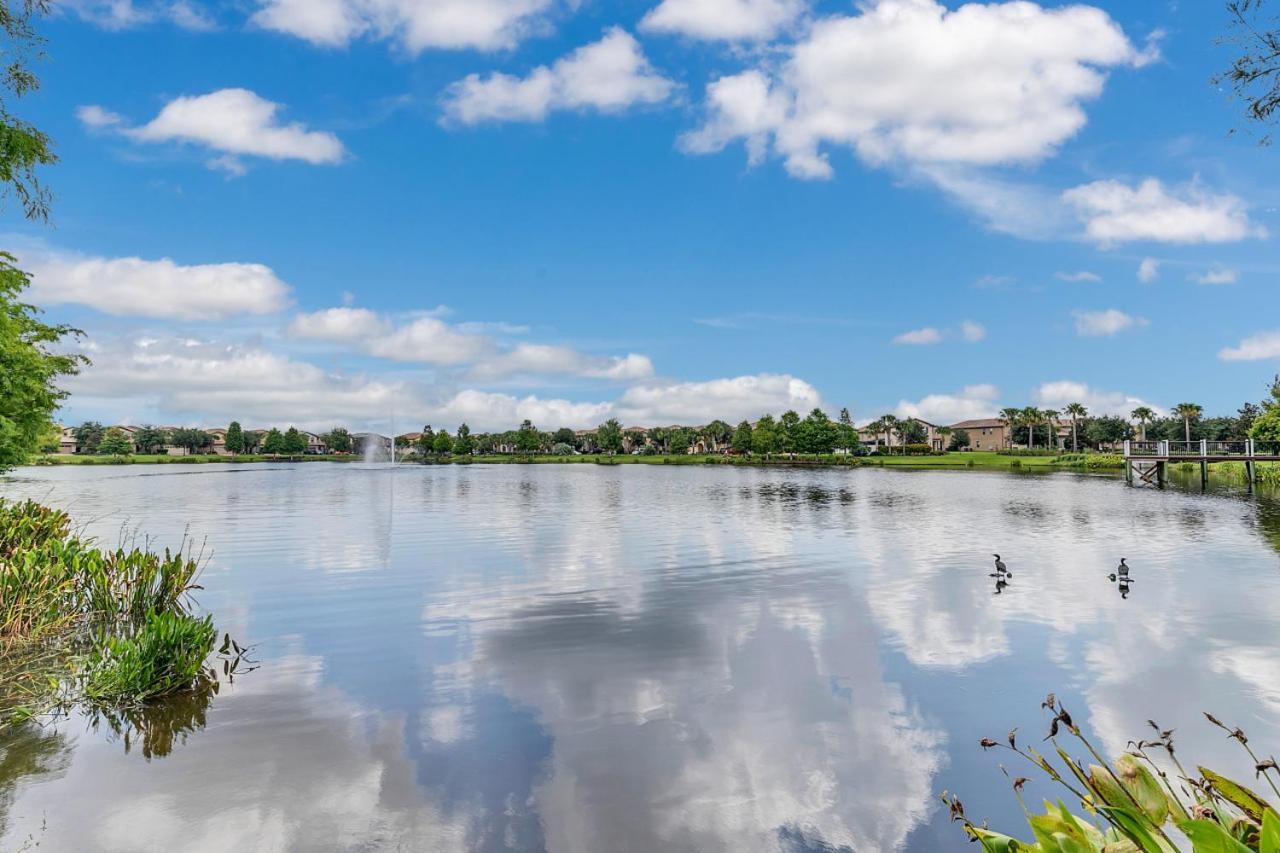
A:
[163, 459]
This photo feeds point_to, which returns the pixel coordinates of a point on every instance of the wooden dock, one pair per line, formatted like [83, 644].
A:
[1146, 462]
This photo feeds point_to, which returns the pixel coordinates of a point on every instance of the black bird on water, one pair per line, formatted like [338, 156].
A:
[1122, 571]
[1001, 568]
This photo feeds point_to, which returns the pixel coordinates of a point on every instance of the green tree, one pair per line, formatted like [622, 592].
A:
[1143, 415]
[192, 440]
[1078, 412]
[29, 366]
[88, 436]
[787, 426]
[443, 443]
[528, 439]
[912, 431]
[1188, 412]
[338, 440]
[273, 444]
[1029, 418]
[609, 436]
[764, 437]
[463, 445]
[945, 434]
[890, 425]
[1108, 430]
[148, 439]
[23, 148]
[679, 440]
[847, 433]
[115, 443]
[295, 444]
[235, 438]
[1049, 417]
[816, 433]
[742, 438]
[564, 435]
[959, 440]
[426, 441]
[720, 433]
[1266, 426]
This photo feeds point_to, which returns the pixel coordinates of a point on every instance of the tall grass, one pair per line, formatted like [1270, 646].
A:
[165, 655]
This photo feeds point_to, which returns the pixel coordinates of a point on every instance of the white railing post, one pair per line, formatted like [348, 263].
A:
[1128, 447]
[1204, 447]
[1162, 448]
[1248, 447]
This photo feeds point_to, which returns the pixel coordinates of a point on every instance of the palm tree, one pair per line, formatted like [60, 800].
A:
[1077, 412]
[945, 434]
[891, 425]
[1188, 412]
[1143, 415]
[1051, 426]
[1031, 417]
[1011, 417]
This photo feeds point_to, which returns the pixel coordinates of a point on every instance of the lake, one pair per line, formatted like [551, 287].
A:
[590, 659]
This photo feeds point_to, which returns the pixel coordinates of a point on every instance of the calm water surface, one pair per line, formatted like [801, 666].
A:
[587, 659]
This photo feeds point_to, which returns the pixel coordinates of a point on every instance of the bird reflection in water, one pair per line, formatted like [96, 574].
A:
[1001, 574]
[1122, 578]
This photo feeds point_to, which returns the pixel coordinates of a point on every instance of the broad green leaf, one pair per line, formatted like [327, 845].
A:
[994, 842]
[1270, 839]
[1125, 846]
[1144, 788]
[1208, 837]
[1238, 795]
[1107, 788]
[1137, 827]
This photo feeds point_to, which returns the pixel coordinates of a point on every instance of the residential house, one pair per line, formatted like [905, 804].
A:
[986, 434]
[67, 441]
[876, 440]
[219, 446]
[316, 445]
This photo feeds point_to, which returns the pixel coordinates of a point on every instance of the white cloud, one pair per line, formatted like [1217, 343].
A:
[609, 75]
[1216, 275]
[911, 81]
[489, 411]
[159, 288]
[1094, 324]
[551, 359]
[431, 340]
[146, 378]
[96, 118]
[126, 14]
[1148, 270]
[1060, 393]
[234, 122]
[1077, 277]
[1259, 347]
[973, 332]
[732, 400]
[1114, 212]
[727, 20]
[919, 337]
[413, 25]
[971, 402]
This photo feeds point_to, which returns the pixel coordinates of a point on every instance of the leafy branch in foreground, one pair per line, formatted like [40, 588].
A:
[1255, 74]
[1135, 805]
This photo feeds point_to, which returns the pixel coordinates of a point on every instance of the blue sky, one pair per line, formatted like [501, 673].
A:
[667, 211]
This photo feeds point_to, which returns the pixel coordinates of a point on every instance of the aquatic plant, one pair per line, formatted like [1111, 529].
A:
[1135, 805]
[80, 624]
[165, 655]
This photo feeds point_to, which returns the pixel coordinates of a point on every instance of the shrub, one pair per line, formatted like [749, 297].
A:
[918, 450]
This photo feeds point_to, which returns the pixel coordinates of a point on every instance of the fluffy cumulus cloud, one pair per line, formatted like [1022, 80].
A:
[431, 340]
[973, 401]
[1148, 270]
[159, 288]
[1106, 323]
[229, 122]
[724, 20]
[912, 81]
[609, 75]
[1216, 275]
[733, 400]
[1114, 212]
[1059, 394]
[192, 380]
[495, 411]
[412, 25]
[1260, 347]
[919, 337]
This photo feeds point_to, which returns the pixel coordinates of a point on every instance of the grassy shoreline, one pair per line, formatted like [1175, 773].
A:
[949, 461]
